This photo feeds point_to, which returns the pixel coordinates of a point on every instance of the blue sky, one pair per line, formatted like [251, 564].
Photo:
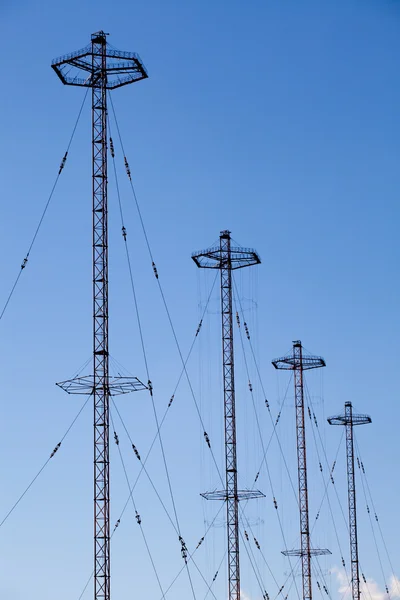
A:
[275, 119]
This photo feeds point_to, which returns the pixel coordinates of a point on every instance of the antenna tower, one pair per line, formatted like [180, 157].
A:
[349, 420]
[101, 68]
[227, 258]
[299, 362]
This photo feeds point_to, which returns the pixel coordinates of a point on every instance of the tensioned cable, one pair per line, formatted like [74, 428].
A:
[217, 572]
[145, 470]
[287, 579]
[334, 487]
[372, 528]
[274, 423]
[190, 556]
[156, 273]
[159, 282]
[137, 515]
[160, 499]
[91, 576]
[314, 425]
[143, 463]
[150, 387]
[326, 457]
[363, 474]
[319, 572]
[258, 546]
[253, 563]
[57, 447]
[151, 391]
[236, 297]
[61, 167]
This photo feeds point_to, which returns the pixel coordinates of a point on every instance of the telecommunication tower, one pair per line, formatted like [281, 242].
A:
[349, 420]
[227, 258]
[298, 362]
[101, 68]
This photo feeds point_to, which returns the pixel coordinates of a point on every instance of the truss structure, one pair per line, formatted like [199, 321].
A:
[227, 258]
[298, 361]
[100, 68]
[349, 420]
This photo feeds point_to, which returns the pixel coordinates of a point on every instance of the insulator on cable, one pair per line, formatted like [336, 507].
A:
[55, 450]
[326, 590]
[317, 517]
[246, 330]
[24, 262]
[137, 517]
[207, 439]
[116, 438]
[318, 584]
[320, 467]
[376, 518]
[199, 327]
[333, 481]
[309, 411]
[265, 595]
[387, 589]
[266, 403]
[246, 535]
[136, 451]
[64, 160]
[154, 269]
[200, 542]
[112, 147]
[215, 576]
[362, 467]
[171, 400]
[250, 386]
[257, 476]
[343, 563]
[315, 420]
[277, 418]
[150, 386]
[183, 549]
[363, 576]
[124, 232]
[358, 462]
[128, 171]
[237, 319]
[257, 544]
[275, 504]
[281, 589]
[333, 466]
[367, 509]
[116, 524]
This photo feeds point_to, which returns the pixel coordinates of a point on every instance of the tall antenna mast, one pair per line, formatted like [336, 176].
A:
[299, 362]
[227, 258]
[101, 68]
[349, 420]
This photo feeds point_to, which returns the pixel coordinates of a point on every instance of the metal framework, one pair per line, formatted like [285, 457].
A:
[227, 258]
[104, 69]
[349, 420]
[299, 362]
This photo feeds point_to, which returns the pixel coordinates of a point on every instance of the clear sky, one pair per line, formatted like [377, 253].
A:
[278, 120]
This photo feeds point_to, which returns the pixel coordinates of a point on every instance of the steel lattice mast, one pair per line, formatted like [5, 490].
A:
[349, 420]
[103, 69]
[299, 362]
[227, 258]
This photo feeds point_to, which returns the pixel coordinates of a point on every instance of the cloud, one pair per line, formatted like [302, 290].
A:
[370, 590]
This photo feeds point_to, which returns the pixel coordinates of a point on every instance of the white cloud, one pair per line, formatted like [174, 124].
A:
[370, 590]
